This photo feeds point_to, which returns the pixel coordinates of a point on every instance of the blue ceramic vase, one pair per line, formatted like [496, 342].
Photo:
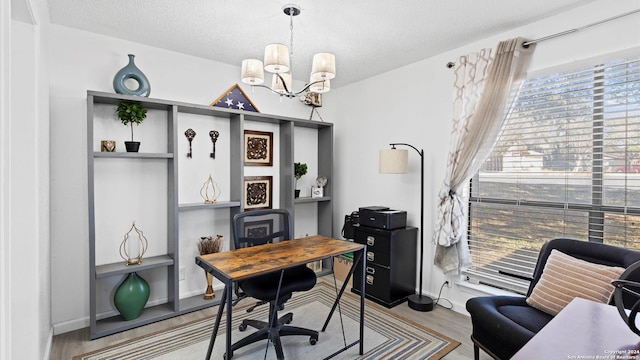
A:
[131, 71]
[131, 296]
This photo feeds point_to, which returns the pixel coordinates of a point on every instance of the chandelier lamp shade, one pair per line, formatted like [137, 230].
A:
[395, 161]
[278, 60]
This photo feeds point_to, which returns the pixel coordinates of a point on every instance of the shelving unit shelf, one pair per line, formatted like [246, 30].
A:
[302, 200]
[166, 266]
[119, 155]
[218, 205]
[121, 269]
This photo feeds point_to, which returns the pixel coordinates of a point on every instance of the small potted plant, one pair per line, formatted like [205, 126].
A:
[131, 113]
[299, 170]
[207, 245]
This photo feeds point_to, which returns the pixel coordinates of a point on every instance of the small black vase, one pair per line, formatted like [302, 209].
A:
[297, 193]
[132, 146]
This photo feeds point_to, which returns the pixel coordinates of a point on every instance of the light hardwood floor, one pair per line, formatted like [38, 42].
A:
[444, 321]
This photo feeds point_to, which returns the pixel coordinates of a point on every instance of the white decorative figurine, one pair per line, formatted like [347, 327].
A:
[318, 191]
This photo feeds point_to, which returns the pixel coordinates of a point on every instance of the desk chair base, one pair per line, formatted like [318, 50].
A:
[275, 331]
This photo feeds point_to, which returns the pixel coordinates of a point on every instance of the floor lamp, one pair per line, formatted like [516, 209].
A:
[395, 161]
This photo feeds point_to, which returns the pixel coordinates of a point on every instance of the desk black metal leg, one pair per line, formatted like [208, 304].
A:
[344, 286]
[362, 291]
[229, 285]
[216, 326]
[358, 259]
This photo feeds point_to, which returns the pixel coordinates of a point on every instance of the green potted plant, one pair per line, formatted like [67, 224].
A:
[131, 113]
[299, 169]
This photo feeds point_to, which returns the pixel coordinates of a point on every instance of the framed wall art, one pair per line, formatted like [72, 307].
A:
[258, 148]
[258, 229]
[257, 192]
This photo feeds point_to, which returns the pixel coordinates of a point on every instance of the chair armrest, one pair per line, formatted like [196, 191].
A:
[487, 313]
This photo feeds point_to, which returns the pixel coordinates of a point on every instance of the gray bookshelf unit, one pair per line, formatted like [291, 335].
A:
[166, 266]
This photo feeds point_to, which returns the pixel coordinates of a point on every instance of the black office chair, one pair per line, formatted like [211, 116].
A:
[503, 324]
[627, 296]
[260, 227]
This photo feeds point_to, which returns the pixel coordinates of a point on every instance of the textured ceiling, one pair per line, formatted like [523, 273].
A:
[367, 36]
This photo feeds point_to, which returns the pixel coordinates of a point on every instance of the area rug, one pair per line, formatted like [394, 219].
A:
[387, 336]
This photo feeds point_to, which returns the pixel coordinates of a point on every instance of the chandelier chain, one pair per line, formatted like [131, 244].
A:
[291, 39]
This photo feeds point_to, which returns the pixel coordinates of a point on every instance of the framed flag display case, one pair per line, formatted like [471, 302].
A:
[235, 98]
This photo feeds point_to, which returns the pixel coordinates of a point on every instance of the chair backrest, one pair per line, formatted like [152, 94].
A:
[590, 251]
[627, 296]
[260, 227]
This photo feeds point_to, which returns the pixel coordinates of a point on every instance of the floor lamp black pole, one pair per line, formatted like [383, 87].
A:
[418, 301]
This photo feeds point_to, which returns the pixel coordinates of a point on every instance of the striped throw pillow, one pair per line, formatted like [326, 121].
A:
[565, 278]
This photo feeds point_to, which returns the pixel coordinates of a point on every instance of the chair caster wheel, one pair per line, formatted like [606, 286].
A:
[242, 327]
[313, 341]
[225, 357]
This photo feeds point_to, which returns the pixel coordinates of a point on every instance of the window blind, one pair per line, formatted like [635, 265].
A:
[567, 164]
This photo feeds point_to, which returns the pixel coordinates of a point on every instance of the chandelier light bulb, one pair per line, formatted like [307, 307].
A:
[252, 72]
[319, 85]
[276, 58]
[278, 86]
[324, 66]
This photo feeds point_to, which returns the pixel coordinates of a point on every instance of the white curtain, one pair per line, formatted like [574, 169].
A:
[484, 90]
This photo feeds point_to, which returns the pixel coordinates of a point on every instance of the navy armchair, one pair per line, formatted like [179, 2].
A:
[503, 324]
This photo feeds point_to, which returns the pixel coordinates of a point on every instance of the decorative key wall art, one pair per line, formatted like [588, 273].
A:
[190, 134]
[213, 134]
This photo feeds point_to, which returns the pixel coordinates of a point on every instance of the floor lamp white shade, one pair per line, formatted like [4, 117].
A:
[393, 161]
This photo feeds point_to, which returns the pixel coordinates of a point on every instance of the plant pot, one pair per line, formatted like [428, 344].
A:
[297, 193]
[132, 146]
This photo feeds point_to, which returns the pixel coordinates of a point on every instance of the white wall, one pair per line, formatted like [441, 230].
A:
[412, 104]
[5, 181]
[25, 293]
[81, 61]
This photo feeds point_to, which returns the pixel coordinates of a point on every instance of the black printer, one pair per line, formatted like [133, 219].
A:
[382, 217]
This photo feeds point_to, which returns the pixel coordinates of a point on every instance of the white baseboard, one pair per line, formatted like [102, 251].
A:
[47, 349]
[75, 324]
[71, 325]
[456, 306]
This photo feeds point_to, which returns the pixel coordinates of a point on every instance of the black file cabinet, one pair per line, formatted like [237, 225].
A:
[391, 264]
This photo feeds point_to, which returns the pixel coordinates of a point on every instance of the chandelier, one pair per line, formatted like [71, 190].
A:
[278, 60]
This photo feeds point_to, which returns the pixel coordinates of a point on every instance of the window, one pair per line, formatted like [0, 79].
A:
[567, 164]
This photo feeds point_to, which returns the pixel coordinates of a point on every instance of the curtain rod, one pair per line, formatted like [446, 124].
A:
[451, 64]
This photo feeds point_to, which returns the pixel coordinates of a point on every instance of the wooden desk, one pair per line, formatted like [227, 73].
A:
[240, 264]
[583, 330]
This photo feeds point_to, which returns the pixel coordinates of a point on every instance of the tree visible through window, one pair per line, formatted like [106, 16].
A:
[567, 164]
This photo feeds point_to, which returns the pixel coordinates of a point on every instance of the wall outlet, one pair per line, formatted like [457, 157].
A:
[447, 283]
[181, 275]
